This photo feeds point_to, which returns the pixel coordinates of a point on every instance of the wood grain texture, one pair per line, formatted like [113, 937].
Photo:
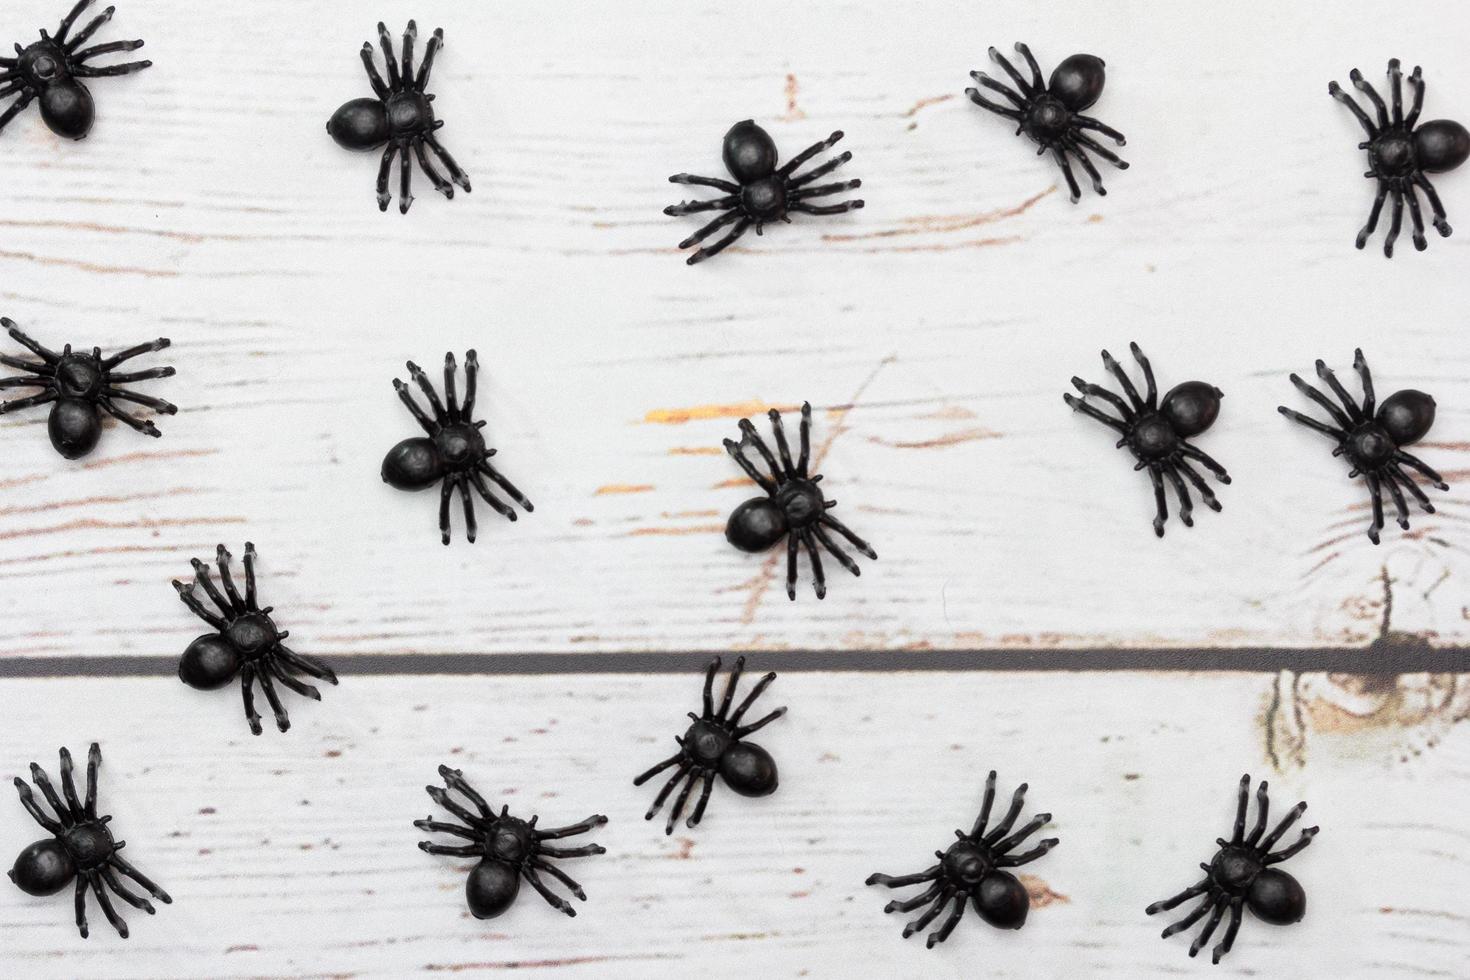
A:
[293, 856]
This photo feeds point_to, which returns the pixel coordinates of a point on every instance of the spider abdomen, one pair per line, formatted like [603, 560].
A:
[1191, 407]
[1441, 145]
[413, 464]
[1002, 900]
[359, 125]
[209, 663]
[1407, 416]
[756, 525]
[74, 427]
[1278, 898]
[749, 152]
[749, 769]
[67, 109]
[1078, 81]
[491, 888]
[44, 868]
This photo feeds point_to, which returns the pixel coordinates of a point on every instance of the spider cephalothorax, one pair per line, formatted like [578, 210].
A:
[793, 507]
[509, 849]
[1050, 113]
[762, 191]
[81, 849]
[1156, 432]
[79, 387]
[974, 868]
[247, 644]
[52, 70]
[1401, 152]
[715, 743]
[454, 454]
[1371, 437]
[1241, 875]
[402, 117]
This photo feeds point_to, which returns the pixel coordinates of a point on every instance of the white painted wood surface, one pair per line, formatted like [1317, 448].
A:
[934, 331]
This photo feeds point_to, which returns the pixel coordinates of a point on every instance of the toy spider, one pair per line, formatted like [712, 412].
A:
[1399, 154]
[1372, 441]
[454, 454]
[247, 643]
[81, 385]
[762, 192]
[52, 68]
[401, 116]
[508, 848]
[793, 507]
[82, 848]
[1241, 875]
[714, 743]
[974, 868]
[1156, 432]
[1051, 113]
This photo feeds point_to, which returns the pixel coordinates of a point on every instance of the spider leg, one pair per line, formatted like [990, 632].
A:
[1035, 824]
[94, 763]
[1016, 860]
[668, 787]
[1396, 90]
[1312, 423]
[715, 182]
[1010, 70]
[1394, 473]
[470, 525]
[1242, 803]
[1263, 807]
[806, 440]
[148, 375]
[153, 346]
[69, 787]
[709, 686]
[823, 190]
[446, 489]
[712, 250]
[280, 674]
[1016, 99]
[1209, 928]
[1184, 896]
[1127, 385]
[1365, 378]
[395, 82]
[1102, 151]
[756, 726]
[430, 825]
[380, 88]
[1416, 82]
[1336, 91]
[1018, 798]
[1422, 467]
[108, 48]
[842, 529]
[247, 678]
[85, 34]
[422, 380]
[16, 108]
[842, 557]
[1037, 81]
[1093, 175]
[471, 378]
[795, 162]
[30, 401]
[441, 796]
[28, 800]
[909, 904]
[1441, 223]
[984, 103]
[694, 207]
[144, 426]
[498, 505]
[751, 437]
[305, 664]
[816, 172]
[1415, 216]
[201, 576]
[730, 683]
[69, 20]
[1060, 155]
[819, 577]
[384, 169]
[1186, 504]
[930, 913]
[455, 173]
[1098, 391]
[1228, 939]
[427, 65]
[1375, 495]
[506, 485]
[900, 881]
[1354, 412]
[418, 413]
[283, 721]
[586, 850]
[125, 868]
[454, 779]
[1401, 507]
[1338, 416]
[123, 892]
[186, 593]
[572, 830]
[1087, 122]
[1398, 222]
[793, 543]
[405, 181]
[779, 431]
[561, 905]
[711, 228]
[677, 809]
[24, 339]
[43, 783]
[1367, 89]
[956, 912]
[802, 207]
[87, 71]
[1078, 405]
[1194, 916]
[410, 38]
[560, 876]
[985, 805]
[1161, 506]
[452, 850]
[81, 904]
[222, 560]
[704, 795]
[25, 382]
[11, 87]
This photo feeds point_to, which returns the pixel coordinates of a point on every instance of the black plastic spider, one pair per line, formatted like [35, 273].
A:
[973, 868]
[1156, 432]
[51, 69]
[1399, 154]
[793, 507]
[508, 848]
[454, 454]
[762, 192]
[1241, 875]
[714, 743]
[82, 386]
[1372, 441]
[401, 116]
[247, 643]
[1051, 113]
[82, 848]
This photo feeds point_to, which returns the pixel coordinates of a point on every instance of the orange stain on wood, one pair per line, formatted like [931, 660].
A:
[611, 489]
[685, 451]
[940, 223]
[923, 104]
[793, 111]
[699, 413]
[948, 439]
[642, 532]
[1041, 893]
